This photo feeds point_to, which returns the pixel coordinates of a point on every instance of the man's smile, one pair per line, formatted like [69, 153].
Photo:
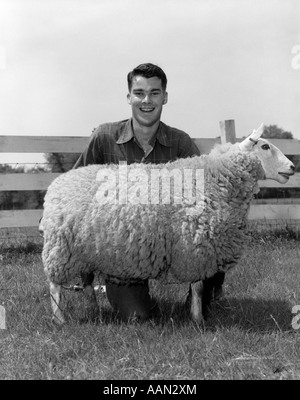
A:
[147, 109]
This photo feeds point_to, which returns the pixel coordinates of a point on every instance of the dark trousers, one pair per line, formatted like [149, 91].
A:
[132, 301]
[135, 301]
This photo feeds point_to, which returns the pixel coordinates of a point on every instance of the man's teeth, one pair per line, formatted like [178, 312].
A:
[147, 109]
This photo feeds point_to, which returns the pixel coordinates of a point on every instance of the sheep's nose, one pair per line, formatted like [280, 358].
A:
[293, 168]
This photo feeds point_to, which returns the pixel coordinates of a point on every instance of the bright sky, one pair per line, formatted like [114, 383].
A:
[63, 63]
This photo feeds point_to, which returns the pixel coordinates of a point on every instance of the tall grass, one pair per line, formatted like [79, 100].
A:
[248, 334]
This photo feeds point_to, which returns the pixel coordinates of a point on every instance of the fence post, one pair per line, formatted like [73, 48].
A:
[227, 131]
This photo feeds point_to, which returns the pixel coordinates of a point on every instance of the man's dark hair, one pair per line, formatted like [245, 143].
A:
[147, 70]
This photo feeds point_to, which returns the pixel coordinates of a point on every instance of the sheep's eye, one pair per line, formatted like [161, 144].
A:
[265, 147]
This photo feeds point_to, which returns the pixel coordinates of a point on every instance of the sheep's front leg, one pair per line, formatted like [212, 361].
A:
[195, 302]
[55, 295]
[91, 307]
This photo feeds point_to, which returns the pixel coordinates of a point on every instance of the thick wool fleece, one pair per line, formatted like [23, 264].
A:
[129, 242]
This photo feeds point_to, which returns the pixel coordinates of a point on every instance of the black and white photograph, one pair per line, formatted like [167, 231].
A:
[149, 193]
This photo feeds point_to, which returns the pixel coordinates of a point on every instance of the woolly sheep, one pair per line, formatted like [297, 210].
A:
[87, 229]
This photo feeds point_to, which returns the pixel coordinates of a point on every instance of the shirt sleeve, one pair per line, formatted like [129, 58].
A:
[187, 147]
[92, 154]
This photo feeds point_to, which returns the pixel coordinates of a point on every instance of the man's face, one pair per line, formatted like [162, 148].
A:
[147, 98]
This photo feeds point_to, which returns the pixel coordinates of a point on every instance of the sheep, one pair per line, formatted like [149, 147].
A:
[99, 218]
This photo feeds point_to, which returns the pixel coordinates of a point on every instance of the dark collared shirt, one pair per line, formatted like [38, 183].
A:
[115, 142]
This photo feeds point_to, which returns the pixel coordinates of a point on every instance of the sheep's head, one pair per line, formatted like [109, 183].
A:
[275, 164]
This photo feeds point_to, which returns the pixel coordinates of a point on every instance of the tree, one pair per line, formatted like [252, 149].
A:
[8, 169]
[20, 199]
[61, 162]
[274, 132]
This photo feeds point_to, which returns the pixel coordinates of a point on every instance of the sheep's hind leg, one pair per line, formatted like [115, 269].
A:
[91, 307]
[195, 302]
[55, 295]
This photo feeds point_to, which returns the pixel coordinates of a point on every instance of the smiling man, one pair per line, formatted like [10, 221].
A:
[147, 96]
[142, 138]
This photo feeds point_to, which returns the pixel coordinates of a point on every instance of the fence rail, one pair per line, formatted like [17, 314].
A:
[259, 211]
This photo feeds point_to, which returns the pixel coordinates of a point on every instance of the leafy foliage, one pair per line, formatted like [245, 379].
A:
[61, 162]
[274, 132]
[23, 199]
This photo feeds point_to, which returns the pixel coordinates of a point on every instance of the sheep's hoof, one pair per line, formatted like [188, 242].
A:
[197, 318]
[194, 303]
[199, 321]
[58, 322]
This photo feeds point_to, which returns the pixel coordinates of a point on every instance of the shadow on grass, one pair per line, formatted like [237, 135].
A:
[248, 314]
[251, 314]
[255, 314]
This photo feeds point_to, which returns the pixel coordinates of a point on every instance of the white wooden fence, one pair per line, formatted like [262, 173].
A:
[272, 211]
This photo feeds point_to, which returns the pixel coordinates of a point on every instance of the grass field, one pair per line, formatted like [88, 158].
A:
[249, 333]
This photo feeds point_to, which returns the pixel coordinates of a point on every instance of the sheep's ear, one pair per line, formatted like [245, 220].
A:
[256, 134]
[247, 144]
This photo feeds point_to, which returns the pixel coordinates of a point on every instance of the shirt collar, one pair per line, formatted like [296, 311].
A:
[127, 133]
[161, 134]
